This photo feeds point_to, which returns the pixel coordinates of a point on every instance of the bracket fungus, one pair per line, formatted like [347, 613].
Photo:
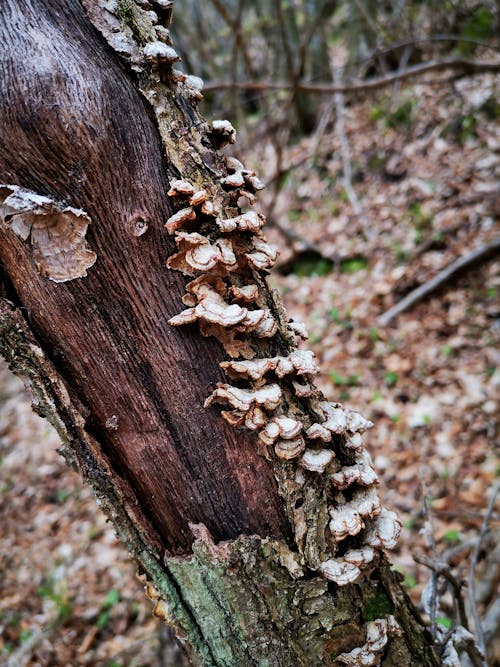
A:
[316, 460]
[56, 233]
[298, 328]
[196, 253]
[179, 219]
[356, 423]
[194, 87]
[263, 255]
[209, 208]
[238, 176]
[251, 369]
[340, 571]
[268, 397]
[223, 133]
[246, 222]
[212, 308]
[384, 531]
[276, 397]
[181, 188]
[348, 519]
[289, 449]
[377, 634]
[300, 362]
[267, 327]
[354, 442]
[360, 473]
[246, 293]
[280, 427]
[198, 198]
[236, 180]
[319, 432]
[159, 53]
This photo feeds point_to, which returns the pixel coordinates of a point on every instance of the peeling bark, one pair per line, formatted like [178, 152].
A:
[96, 125]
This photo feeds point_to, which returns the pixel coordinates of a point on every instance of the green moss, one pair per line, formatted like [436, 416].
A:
[377, 605]
[125, 12]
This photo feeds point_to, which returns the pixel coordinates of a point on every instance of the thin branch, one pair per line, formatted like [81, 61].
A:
[442, 568]
[327, 7]
[431, 540]
[346, 162]
[444, 37]
[442, 277]
[472, 571]
[462, 64]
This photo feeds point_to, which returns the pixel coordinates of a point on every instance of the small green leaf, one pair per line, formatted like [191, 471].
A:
[111, 599]
[62, 495]
[452, 536]
[103, 619]
[334, 315]
[402, 115]
[336, 378]
[479, 27]
[311, 264]
[391, 378]
[409, 581]
[353, 265]
[444, 621]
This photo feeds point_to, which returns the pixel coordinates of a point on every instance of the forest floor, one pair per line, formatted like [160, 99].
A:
[425, 170]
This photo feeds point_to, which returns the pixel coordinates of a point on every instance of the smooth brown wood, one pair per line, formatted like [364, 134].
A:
[74, 127]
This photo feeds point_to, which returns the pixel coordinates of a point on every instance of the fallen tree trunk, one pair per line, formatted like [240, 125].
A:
[235, 550]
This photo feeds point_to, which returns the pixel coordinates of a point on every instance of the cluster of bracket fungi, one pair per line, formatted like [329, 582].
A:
[227, 258]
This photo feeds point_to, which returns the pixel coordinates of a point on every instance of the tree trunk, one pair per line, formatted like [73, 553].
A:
[230, 545]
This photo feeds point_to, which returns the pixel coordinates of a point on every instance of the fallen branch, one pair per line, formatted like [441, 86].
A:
[466, 66]
[460, 264]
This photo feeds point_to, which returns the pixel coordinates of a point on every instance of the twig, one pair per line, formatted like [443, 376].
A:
[21, 656]
[346, 161]
[463, 64]
[472, 570]
[431, 539]
[440, 279]
[444, 37]
[441, 568]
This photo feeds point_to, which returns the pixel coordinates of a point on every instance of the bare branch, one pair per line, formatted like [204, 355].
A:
[368, 230]
[442, 277]
[460, 64]
[472, 570]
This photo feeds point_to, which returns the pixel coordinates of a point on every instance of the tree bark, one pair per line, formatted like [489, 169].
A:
[89, 123]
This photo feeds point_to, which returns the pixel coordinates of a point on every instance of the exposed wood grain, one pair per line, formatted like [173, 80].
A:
[74, 127]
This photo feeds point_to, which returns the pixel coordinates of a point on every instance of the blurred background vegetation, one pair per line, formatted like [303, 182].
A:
[230, 43]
